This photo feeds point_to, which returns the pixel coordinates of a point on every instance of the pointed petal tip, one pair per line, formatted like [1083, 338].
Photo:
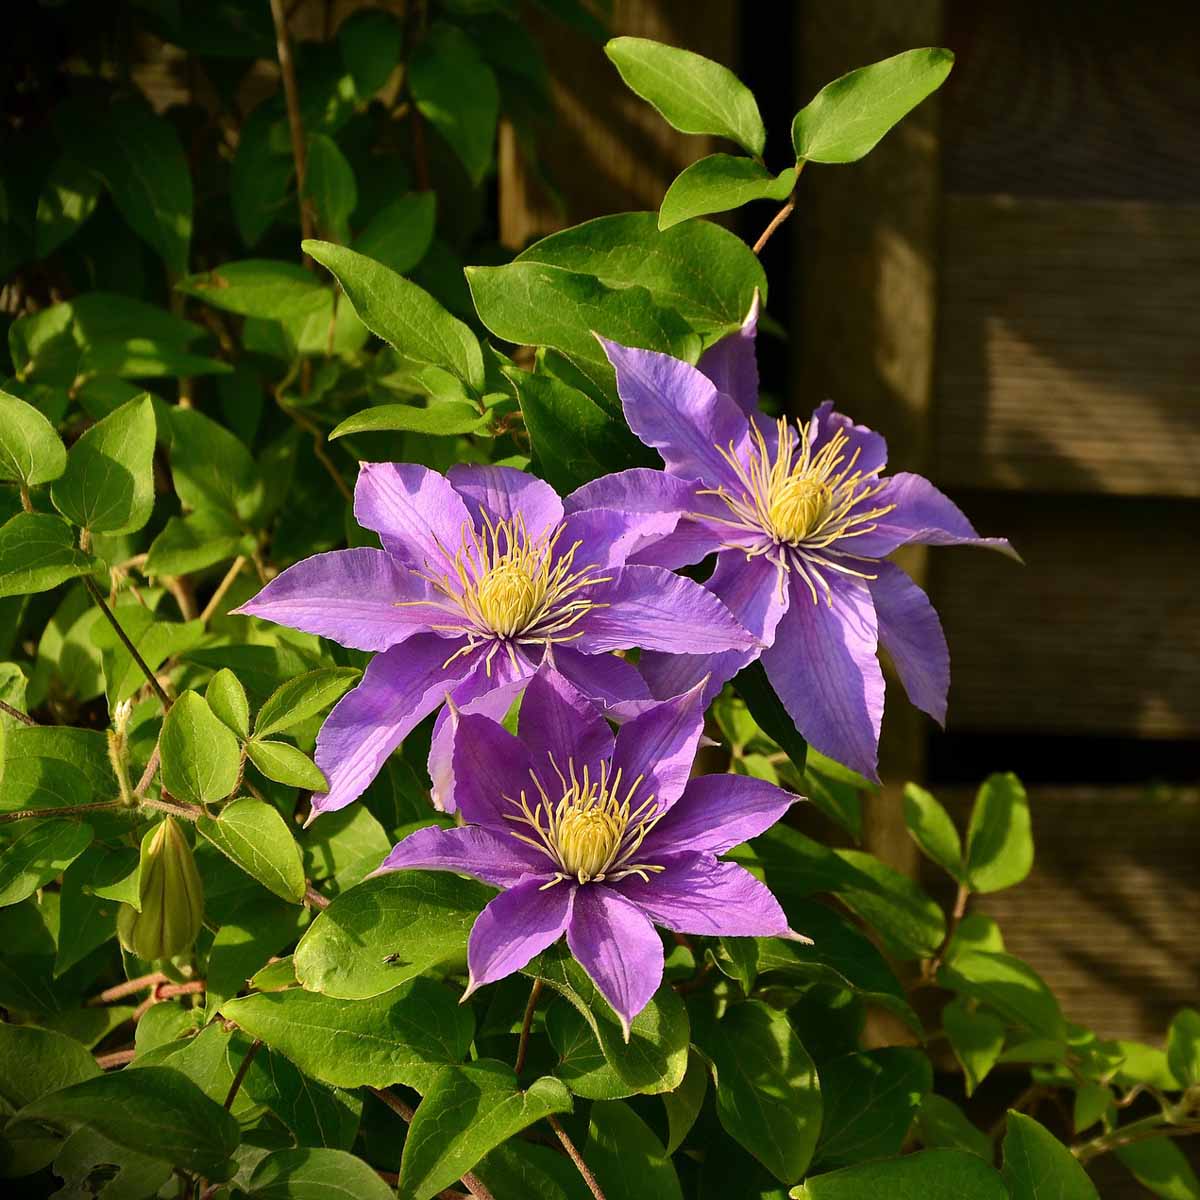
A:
[802, 938]
[472, 988]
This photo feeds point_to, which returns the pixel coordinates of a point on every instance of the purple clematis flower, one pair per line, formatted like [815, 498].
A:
[801, 520]
[480, 573]
[598, 837]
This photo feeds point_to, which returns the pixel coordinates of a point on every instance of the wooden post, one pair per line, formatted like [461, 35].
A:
[867, 249]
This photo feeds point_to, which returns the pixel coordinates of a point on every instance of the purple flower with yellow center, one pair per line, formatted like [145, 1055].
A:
[801, 520]
[481, 573]
[597, 836]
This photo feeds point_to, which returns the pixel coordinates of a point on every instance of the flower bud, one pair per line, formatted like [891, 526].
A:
[172, 897]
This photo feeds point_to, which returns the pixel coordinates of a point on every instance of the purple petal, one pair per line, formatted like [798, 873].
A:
[677, 410]
[607, 537]
[911, 633]
[401, 686]
[559, 723]
[419, 517]
[515, 926]
[922, 514]
[716, 813]
[824, 670]
[751, 589]
[503, 493]
[489, 764]
[871, 446]
[493, 703]
[360, 598]
[697, 894]
[605, 677]
[651, 608]
[660, 746]
[732, 365]
[490, 857]
[617, 946]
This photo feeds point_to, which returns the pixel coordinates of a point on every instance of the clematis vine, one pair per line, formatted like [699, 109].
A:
[598, 837]
[801, 519]
[481, 572]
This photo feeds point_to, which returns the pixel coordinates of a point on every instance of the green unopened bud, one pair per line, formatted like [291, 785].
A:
[172, 897]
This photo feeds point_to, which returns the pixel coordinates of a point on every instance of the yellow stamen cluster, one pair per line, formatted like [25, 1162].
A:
[593, 831]
[513, 587]
[804, 501]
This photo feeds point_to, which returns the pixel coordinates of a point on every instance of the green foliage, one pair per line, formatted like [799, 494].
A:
[718, 183]
[1037, 1164]
[30, 451]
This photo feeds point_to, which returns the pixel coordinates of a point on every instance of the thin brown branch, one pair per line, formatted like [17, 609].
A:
[291, 95]
[130, 987]
[181, 589]
[26, 501]
[164, 991]
[319, 450]
[234, 1087]
[215, 599]
[527, 1024]
[16, 714]
[67, 810]
[934, 964]
[151, 678]
[148, 774]
[177, 808]
[1136, 1131]
[781, 216]
[118, 1058]
[569, 1146]
[313, 898]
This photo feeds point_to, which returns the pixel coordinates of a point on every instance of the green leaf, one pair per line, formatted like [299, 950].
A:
[370, 41]
[138, 155]
[522, 1170]
[156, 1111]
[768, 1098]
[259, 287]
[718, 183]
[329, 183]
[38, 553]
[86, 921]
[400, 233]
[628, 1160]
[388, 929]
[30, 451]
[252, 834]
[145, 358]
[909, 923]
[752, 684]
[199, 540]
[693, 93]
[707, 274]
[1160, 1167]
[302, 697]
[200, 755]
[344, 847]
[1008, 985]
[285, 764]
[308, 1174]
[155, 639]
[108, 484]
[1183, 1047]
[1037, 1166]
[870, 1100]
[261, 176]
[574, 440]
[999, 842]
[456, 92]
[405, 316]
[977, 1038]
[68, 197]
[257, 928]
[227, 699]
[926, 1175]
[39, 852]
[652, 1060]
[406, 1036]
[941, 1124]
[438, 420]
[1092, 1101]
[35, 1062]
[683, 1105]
[933, 830]
[467, 1111]
[212, 468]
[847, 117]
[537, 305]
[316, 1114]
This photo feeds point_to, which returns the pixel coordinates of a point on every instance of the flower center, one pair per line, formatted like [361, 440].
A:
[798, 507]
[593, 831]
[508, 597]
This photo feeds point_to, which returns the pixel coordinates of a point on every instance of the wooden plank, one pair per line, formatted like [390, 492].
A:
[1108, 915]
[607, 150]
[865, 238]
[1095, 634]
[1064, 363]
